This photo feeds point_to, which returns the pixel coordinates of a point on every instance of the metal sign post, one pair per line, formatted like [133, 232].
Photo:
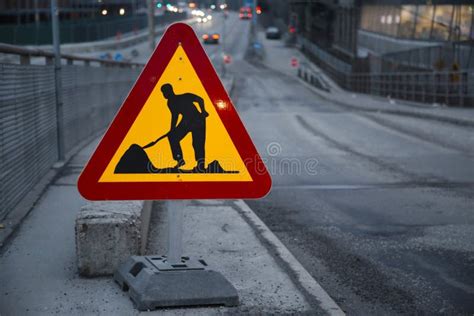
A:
[175, 231]
[174, 280]
[224, 36]
[151, 24]
[254, 17]
[57, 79]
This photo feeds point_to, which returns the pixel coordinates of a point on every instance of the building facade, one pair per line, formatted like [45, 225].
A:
[354, 28]
[385, 28]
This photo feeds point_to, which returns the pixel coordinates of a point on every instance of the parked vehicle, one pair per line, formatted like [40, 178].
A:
[273, 33]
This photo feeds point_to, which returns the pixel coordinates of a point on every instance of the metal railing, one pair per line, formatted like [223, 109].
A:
[443, 87]
[336, 68]
[92, 89]
[313, 77]
[81, 30]
[25, 56]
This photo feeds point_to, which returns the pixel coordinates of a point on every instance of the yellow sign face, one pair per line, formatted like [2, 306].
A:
[195, 145]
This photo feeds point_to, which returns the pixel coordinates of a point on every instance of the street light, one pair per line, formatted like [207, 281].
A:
[122, 11]
[104, 12]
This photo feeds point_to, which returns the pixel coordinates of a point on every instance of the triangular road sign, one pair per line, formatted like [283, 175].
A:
[177, 135]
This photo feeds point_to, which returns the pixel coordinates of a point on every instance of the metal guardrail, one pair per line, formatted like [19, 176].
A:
[25, 55]
[314, 78]
[92, 90]
[337, 69]
[81, 30]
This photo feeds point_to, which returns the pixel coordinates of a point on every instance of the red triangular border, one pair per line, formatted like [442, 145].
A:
[89, 185]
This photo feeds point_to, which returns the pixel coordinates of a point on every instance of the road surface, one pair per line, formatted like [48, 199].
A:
[378, 208]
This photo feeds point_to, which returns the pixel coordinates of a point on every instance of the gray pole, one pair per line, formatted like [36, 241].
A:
[224, 36]
[175, 231]
[151, 24]
[57, 79]
[254, 20]
[37, 16]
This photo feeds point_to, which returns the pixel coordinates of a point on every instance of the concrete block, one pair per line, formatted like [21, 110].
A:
[107, 233]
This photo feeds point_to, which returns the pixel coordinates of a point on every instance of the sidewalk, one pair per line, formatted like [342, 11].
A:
[278, 56]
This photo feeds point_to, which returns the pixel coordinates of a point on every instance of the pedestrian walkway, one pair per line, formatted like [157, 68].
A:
[276, 51]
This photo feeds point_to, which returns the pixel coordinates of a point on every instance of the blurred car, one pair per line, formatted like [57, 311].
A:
[245, 13]
[211, 38]
[197, 13]
[204, 19]
[273, 33]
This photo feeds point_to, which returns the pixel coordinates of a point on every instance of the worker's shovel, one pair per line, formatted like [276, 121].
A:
[156, 141]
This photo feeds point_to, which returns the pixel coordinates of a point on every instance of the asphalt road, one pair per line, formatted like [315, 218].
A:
[378, 208]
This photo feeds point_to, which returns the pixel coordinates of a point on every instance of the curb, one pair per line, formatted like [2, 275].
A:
[308, 284]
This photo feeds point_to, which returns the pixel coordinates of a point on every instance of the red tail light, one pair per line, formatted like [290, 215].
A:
[205, 36]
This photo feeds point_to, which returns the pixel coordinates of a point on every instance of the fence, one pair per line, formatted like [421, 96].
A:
[80, 31]
[447, 87]
[92, 90]
[443, 87]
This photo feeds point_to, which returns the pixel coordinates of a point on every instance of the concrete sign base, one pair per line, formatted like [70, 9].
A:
[152, 282]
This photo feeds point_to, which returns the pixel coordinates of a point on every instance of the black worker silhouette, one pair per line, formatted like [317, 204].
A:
[192, 121]
[136, 160]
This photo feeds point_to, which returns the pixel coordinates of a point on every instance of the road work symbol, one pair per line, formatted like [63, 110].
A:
[192, 121]
[177, 135]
